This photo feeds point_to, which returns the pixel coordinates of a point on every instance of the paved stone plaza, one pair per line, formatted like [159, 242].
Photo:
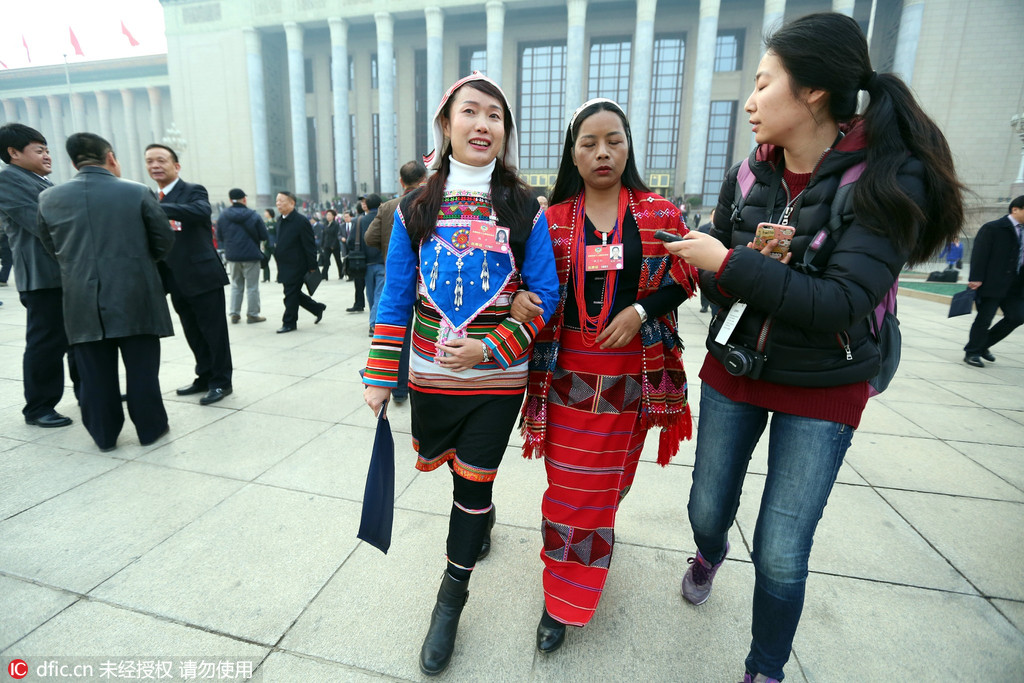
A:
[233, 538]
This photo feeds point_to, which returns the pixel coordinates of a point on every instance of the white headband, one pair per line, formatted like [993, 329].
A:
[586, 104]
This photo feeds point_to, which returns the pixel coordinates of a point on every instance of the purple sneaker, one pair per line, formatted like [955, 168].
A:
[697, 579]
[759, 678]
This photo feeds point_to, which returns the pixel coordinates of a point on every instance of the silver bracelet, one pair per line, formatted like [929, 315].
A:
[487, 352]
[641, 312]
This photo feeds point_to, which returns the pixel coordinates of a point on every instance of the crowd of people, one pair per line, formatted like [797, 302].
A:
[489, 306]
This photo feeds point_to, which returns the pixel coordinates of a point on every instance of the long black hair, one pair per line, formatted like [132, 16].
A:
[828, 52]
[513, 201]
[569, 182]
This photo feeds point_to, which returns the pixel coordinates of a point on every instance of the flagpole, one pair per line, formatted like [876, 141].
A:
[71, 104]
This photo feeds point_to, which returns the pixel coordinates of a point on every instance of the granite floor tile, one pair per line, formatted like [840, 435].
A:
[26, 606]
[315, 399]
[32, 473]
[1006, 462]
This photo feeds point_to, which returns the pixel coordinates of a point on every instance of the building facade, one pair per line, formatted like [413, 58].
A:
[297, 94]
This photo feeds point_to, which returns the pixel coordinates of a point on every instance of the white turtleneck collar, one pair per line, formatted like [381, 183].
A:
[469, 178]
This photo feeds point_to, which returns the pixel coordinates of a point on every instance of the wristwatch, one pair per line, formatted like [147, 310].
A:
[487, 352]
[641, 312]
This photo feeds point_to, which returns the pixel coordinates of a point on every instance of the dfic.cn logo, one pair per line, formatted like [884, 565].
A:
[17, 668]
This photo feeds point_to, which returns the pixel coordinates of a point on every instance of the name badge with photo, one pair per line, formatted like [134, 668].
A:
[604, 257]
[488, 236]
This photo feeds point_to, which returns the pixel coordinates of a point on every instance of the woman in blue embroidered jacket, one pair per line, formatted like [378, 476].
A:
[468, 366]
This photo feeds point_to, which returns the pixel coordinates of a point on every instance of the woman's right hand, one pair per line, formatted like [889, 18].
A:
[525, 306]
[375, 397]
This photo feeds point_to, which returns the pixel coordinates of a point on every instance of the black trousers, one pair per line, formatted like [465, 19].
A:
[293, 298]
[360, 286]
[327, 262]
[982, 337]
[45, 346]
[205, 325]
[102, 414]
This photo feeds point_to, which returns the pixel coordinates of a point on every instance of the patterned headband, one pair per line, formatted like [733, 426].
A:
[586, 104]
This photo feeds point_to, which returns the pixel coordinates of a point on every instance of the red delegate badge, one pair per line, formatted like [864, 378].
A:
[604, 257]
[488, 236]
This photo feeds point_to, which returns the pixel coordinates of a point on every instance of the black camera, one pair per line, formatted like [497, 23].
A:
[740, 361]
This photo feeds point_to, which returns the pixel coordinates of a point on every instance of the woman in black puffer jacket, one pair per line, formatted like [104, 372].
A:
[802, 347]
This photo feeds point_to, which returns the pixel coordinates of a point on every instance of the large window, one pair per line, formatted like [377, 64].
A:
[355, 152]
[717, 157]
[541, 104]
[472, 58]
[666, 102]
[376, 153]
[308, 69]
[422, 106]
[729, 50]
[609, 69]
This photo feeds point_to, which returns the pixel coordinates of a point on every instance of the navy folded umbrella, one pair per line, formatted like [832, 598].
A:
[962, 303]
[379, 494]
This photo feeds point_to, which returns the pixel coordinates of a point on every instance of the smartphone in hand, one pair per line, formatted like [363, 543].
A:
[772, 231]
[667, 236]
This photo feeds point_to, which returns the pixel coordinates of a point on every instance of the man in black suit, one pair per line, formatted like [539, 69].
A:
[296, 256]
[997, 275]
[116, 303]
[331, 242]
[36, 273]
[193, 275]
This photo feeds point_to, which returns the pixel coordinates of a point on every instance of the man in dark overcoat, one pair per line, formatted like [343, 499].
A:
[107, 234]
[296, 256]
[193, 275]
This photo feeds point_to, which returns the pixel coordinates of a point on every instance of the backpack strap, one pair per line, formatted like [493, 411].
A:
[744, 182]
[842, 206]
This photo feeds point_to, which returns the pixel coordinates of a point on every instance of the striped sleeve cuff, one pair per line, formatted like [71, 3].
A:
[385, 350]
[510, 340]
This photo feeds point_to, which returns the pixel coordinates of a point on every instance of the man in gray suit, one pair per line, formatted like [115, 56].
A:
[107, 234]
[36, 273]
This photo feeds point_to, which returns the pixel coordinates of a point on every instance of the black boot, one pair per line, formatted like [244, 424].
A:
[550, 633]
[485, 549]
[444, 623]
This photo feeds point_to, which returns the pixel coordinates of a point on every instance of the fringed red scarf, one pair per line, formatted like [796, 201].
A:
[664, 402]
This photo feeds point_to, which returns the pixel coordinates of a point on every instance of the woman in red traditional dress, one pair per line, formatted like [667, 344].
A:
[607, 367]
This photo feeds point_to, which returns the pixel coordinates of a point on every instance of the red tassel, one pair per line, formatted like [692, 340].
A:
[668, 442]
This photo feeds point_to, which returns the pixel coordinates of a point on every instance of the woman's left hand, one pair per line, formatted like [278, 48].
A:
[699, 249]
[461, 354]
[621, 330]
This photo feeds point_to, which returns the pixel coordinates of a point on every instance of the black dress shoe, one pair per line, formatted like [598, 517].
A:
[988, 356]
[196, 387]
[286, 328]
[549, 638]
[974, 360]
[355, 310]
[155, 438]
[215, 395]
[54, 419]
[320, 315]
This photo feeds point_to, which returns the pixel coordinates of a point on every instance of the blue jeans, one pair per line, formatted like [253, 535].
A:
[374, 288]
[804, 456]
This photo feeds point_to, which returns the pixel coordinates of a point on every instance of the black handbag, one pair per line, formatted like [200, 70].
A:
[962, 303]
[355, 264]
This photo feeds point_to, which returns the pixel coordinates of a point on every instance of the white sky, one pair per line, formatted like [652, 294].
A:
[96, 23]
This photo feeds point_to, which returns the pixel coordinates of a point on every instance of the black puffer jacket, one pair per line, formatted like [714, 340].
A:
[818, 334]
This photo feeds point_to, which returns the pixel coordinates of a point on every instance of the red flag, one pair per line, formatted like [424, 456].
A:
[3, 65]
[27, 53]
[74, 43]
[131, 38]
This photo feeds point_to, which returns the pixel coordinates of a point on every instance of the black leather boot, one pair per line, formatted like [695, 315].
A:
[444, 623]
[485, 549]
[550, 634]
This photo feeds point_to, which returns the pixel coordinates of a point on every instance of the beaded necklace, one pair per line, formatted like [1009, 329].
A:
[592, 326]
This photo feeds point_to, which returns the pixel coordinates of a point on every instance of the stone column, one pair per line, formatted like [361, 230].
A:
[340, 86]
[435, 68]
[297, 100]
[641, 81]
[57, 145]
[386, 98]
[10, 111]
[78, 122]
[156, 113]
[103, 105]
[907, 39]
[258, 114]
[707, 36]
[495, 38]
[131, 126]
[575, 46]
[843, 7]
[774, 12]
[32, 113]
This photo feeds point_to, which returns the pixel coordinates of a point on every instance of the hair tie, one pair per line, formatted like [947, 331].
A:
[869, 82]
